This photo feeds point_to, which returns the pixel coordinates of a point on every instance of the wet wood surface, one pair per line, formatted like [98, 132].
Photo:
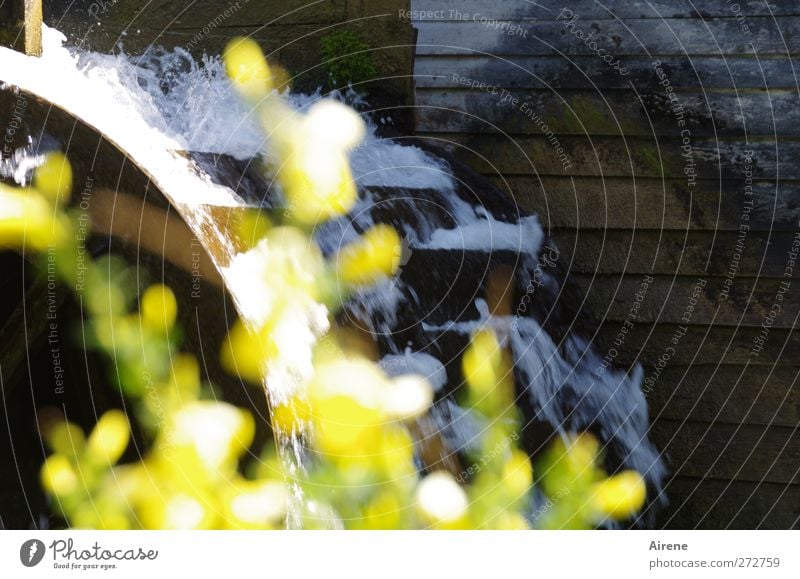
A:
[21, 25]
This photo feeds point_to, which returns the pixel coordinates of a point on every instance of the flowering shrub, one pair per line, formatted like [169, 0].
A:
[355, 423]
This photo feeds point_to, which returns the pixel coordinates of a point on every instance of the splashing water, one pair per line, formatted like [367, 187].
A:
[164, 103]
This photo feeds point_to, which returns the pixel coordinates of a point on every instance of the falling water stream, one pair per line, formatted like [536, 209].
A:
[177, 118]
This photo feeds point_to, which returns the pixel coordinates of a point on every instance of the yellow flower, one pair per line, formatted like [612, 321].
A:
[180, 511]
[620, 496]
[571, 465]
[53, 178]
[215, 432]
[346, 408]
[247, 68]
[109, 438]
[185, 377]
[100, 516]
[253, 226]
[65, 438]
[334, 124]
[517, 474]
[291, 416]
[345, 428]
[256, 504]
[132, 483]
[441, 502]
[510, 521]
[296, 261]
[159, 308]
[482, 363]
[246, 353]
[311, 157]
[26, 218]
[407, 397]
[396, 452]
[374, 256]
[58, 476]
[317, 183]
[382, 512]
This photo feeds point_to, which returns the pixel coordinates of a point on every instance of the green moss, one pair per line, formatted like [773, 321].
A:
[347, 59]
[651, 159]
[11, 35]
[586, 116]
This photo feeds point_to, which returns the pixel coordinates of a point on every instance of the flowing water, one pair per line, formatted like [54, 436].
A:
[456, 228]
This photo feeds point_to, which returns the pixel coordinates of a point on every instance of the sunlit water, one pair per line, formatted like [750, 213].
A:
[165, 102]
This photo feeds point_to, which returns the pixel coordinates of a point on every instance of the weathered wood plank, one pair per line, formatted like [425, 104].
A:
[590, 72]
[669, 300]
[617, 203]
[701, 345]
[695, 253]
[197, 14]
[522, 10]
[633, 37]
[21, 25]
[647, 343]
[619, 112]
[624, 157]
[726, 451]
[135, 40]
[24, 334]
[396, 9]
[716, 504]
[730, 394]
[457, 278]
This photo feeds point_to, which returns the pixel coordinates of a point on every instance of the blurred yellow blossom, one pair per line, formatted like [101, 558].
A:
[256, 504]
[482, 363]
[59, 476]
[217, 432]
[374, 256]
[441, 502]
[65, 438]
[53, 178]
[620, 496]
[109, 438]
[28, 219]
[517, 474]
[247, 68]
[159, 308]
[245, 353]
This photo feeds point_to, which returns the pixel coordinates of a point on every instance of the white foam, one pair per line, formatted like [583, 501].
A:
[382, 163]
[410, 362]
[491, 235]
[101, 97]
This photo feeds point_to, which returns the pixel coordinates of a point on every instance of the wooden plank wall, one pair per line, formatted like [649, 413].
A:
[289, 31]
[572, 112]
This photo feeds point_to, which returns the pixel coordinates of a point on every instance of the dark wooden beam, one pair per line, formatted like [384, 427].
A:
[25, 332]
[21, 25]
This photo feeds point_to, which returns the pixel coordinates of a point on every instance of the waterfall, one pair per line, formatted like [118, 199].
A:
[180, 120]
